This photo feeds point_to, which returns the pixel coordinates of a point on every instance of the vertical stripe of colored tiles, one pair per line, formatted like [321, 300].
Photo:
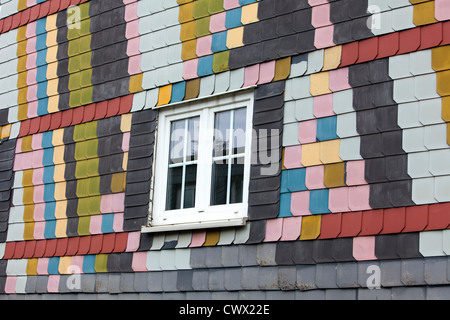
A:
[22, 70]
[321, 22]
[79, 52]
[133, 52]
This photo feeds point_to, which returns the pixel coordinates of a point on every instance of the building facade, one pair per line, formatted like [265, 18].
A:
[225, 149]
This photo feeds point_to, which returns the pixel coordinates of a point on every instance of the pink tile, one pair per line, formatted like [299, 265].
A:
[364, 248]
[134, 65]
[204, 46]
[31, 45]
[36, 142]
[31, 61]
[313, 3]
[38, 155]
[321, 16]
[18, 162]
[293, 157]
[105, 204]
[323, 106]
[324, 37]
[300, 203]
[31, 3]
[38, 196]
[251, 75]
[190, 69]
[39, 212]
[95, 226]
[38, 175]
[274, 228]
[442, 10]
[118, 202]
[217, 22]
[53, 283]
[339, 80]
[358, 198]
[42, 266]
[132, 29]
[31, 76]
[266, 72]
[131, 11]
[10, 285]
[291, 228]
[198, 239]
[27, 160]
[356, 173]
[32, 109]
[31, 30]
[314, 177]
[338, 200]
[230, 4]
[19, 145]
[134, 239]
[307, 131]
[39, 228]
[126, 142]
[133, 46]
[76, 265]
[118, 222]
[139, 263]
[32, 93]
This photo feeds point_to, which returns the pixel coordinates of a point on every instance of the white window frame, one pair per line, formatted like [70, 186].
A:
[203, 216]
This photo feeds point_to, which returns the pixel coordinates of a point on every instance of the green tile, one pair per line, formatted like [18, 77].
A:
[220, 61]
[92, 167]
[75, 81]
[86, 96]
[201, 9]
[80, 151]
[94, 205]
[81, 170]
[79, 132]
[202, 27]
[215, 6]
[101, 262]
[84, 223]
[94, 186]
[83, 188]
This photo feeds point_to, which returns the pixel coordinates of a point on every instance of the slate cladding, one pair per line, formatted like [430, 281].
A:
[355, 92]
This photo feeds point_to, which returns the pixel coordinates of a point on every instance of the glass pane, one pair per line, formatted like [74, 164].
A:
[219, 183]
[174, 182]
[237, 181]
[240, 121]
[193, 132]
[177, 133]
[190, 185]
[221, 133]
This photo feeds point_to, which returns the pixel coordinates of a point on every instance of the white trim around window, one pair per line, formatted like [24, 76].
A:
[189, 212]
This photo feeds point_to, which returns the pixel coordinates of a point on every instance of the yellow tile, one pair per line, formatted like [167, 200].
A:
[165, 95]
[52, 42]
[330, 151]
[26, 144]
[212, 238]
[28, 213]
[125, 161]
[418, 1]
[22, 5]
[28, 195]
[187, 31]
[125, 123]
[189, 50]
[440, 58]
[52, 87]
[60, 210]
[57, 138]
[53, 103]
[332, 58]
[28, 231]
[32, 267]
[118, 182]
[424, 13]
[65, 265]
[446, 109]
[6, 131]
[443, 80]
[22, 64]
[27, 178]
[311, 154]
[235, 38]
[136, 83]
[250, 13]
[22, 112]
[58, 155]
[60, 191]
[334, 175]
[58, 174]
[282, 69]
[61, 228]
[320, 84]
[186, 12]
[52, 71]
[51, 22]
[22, 98]
[310, 227]
[22, 80]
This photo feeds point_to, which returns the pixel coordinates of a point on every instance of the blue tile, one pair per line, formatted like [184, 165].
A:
[108, 223]
[205, 66]
[49, 231]
[318, 201]
[89, 264]
[327, 128]
[49, 192]
[296, 180]
[53, 265]
[49, 212]
[233, 18]
[47, 159]
[219, 42]
[178, 92]
[285, 206]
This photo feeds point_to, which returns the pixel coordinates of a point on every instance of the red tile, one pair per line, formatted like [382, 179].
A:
[19, 250]
[409, 41]
[24, 128]
[372, 222]
[89, 113]
[54, 6]
[25, 17]
[109, 241]
[66, 118]
[388, 45]
[34, 13]
[7, 24]
[61, 247]
[64, 4]
[50, 248]
[113, 107]
[350, 53]
[72, 246]
[126, 103]
[96, 244]
[44, 9]
[445, 33]
[416, 218]
[431, 36]
[16, 18]
[9, 250]
[45, 123]
[368, 50]
[101, 110]
[55, 122]
[351, 224]
[77, 116]
[29, 249]
[330, 226]
[121, 242]
[34, 125]
[84, 246]
[40, 249]
[394, 220]
[438, 216]
[1, 25]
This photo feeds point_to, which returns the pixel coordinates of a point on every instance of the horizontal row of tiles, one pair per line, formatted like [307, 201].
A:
[319, 253]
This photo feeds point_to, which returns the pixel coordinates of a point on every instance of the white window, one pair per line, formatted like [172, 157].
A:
[202, 167]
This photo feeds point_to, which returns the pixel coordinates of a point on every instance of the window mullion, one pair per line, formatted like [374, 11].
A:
[183, 179]
[230, 154]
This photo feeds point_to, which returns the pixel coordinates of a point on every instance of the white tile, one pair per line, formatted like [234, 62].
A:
[418, 165]
[346, 125]
[403, 90]
[304, 109]
[413, 140]
[435, 137]
[408, 115]
[399, 66]
[431, 243]
[421, 62]
[350, 149]
[441, 188]
[343, 101]
[425, 86]
[423, 191]
[402, 18]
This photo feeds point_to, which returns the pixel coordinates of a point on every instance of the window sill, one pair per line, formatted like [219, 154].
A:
[240, 222]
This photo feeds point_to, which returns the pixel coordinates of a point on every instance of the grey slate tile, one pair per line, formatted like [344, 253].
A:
[140, 282]
[438, 293]
[114, 280]
[306, 277]
[169, 283]
[247, 255]
[252, 295]
[413, 271]
[200, 280]
[216, 280]
[347, 275]
[310, 295]
[232, 279]
[409, 293]
[287, 278]
[126, 284]
[250, 277]
[376, 294]
[154, 282]
[326, 276]
[268, 278]
[280, 295]
[391, 273]
[198, 258]
[265, 254]
[435, 272]
[184, 280]
[341, 294]
[213, 257]
[364, 272]
[230, 256]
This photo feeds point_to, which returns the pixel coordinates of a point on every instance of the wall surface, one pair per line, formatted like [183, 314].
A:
[359, 91]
